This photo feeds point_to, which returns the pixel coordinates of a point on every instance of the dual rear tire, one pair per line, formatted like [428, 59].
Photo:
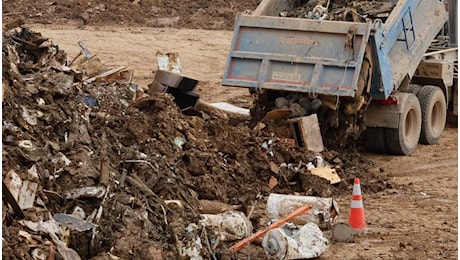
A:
[422, 119]
[434, 114]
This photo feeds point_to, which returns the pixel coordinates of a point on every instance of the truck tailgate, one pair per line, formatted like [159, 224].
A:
[301, 55]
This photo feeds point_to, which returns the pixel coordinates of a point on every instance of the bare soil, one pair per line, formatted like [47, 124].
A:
[410, 202]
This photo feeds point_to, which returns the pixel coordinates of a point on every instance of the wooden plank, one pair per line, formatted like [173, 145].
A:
[307, 132]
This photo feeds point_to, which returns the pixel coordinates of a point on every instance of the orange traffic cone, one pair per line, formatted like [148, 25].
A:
[356, 218]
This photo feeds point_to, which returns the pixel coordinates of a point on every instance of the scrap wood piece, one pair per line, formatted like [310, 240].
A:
[12, 201]
[104, 74]
[213, 207]
[22, 191]
[327, 173]
[134, 180]
[243, 243]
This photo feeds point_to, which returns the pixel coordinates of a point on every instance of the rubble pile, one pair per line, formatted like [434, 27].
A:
[341, 10]
[94, 168]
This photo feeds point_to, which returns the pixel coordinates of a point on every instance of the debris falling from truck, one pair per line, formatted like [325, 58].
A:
[340, 10]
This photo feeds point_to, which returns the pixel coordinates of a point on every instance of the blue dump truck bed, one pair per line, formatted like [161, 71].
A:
[325, 57]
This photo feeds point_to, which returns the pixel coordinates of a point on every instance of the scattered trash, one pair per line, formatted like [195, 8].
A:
[327, 173]
[178, 203]
[179, 142]
[272, 182]
[297, 212]
[23, 191]
[52, 228]
[90, 101]
[231, 108]
[292, 242]
[274, 168]
[86, 192]
[356, 11]
[9, 198]
[73, 222]
[319, 161]
[324, 211]
[230, 225]
[169, 62]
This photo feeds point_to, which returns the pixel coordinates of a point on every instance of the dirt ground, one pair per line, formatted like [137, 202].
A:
[410, 202]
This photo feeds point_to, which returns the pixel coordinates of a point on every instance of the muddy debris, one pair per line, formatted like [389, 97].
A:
[109, 178]
[340, 10]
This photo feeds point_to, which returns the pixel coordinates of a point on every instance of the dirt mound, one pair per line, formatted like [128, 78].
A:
[66, 130]
[155, 13]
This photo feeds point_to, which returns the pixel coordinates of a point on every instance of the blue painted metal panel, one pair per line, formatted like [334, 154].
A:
[325, 57]
[296, 55]
[399, 44]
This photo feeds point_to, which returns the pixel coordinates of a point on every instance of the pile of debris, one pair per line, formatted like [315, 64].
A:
[341, 10]
[95, 168]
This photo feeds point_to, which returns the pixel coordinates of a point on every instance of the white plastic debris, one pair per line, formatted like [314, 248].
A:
[230, 225]
[323, 211]
[86, 192]
[292, 242]
[169, 62]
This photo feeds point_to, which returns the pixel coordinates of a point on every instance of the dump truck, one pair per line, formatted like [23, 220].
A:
[389, 75]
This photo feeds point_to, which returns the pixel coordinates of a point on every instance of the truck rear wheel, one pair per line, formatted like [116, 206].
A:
[414, 89]
[404, 139]
[434, 112]
[375, 139]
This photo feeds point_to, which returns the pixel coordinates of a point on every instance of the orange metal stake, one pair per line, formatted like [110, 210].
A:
[277, 224]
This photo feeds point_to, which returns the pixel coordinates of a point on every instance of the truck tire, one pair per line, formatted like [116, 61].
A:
[375, 140]
[414, 89]
[404, 139]
[434, 113]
